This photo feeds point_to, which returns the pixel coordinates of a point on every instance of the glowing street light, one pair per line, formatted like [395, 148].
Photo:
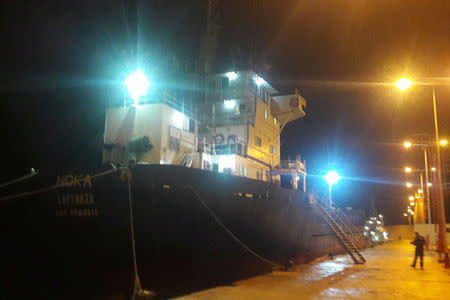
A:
[408, 184]
[332, 177]
[429, 184]
[411, 198]
[411, 203]
[137, 85]
[419, 191]
[403, 83]
[407, 144]
[408, 169]
[433, 169]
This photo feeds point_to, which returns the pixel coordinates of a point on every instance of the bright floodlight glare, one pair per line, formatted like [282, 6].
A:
[259, 81]
[332, 177]
[231, 75]
[419, 191]
[403, 83]
[407, 144]
[433, 169]
[177, 119]
[408, 169]
[229, 104]
[411, 203]
[411, 198]
[429, 184]
[137, 85]
[409, 184]
[443, 142]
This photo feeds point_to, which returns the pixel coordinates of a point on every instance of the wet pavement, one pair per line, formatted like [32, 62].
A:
[386, 275]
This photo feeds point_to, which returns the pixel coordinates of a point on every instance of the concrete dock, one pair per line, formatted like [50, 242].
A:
[386, 275]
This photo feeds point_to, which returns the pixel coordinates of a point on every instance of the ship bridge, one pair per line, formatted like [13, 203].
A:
[287, 108]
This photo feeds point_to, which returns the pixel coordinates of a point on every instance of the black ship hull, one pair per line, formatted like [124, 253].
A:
[73, 241]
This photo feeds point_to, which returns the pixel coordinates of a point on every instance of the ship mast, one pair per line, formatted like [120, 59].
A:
[210, 38]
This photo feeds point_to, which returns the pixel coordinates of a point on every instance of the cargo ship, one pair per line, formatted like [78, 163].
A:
[193, 193]
[189, 197]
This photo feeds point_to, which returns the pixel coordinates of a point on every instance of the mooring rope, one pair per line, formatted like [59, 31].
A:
[231, 234]
[52, 187]
[137, 281]
[22, 178]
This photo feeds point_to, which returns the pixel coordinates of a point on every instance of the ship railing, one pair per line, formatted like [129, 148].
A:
[342, 218]
[293, 164]
[238, 148]
[228, 119]
[164, 97]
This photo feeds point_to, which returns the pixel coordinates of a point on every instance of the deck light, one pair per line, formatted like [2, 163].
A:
[232, 75]
[408, 184]
[259, 81]
[229, 104]
[411, 198]
[407, 144]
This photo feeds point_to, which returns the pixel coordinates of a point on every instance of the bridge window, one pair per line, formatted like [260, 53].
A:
[265, 114]
[257, 140]
[273, 149]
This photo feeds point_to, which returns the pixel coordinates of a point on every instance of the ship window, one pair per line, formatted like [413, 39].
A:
[257, 141]
[225, 82]
[273, 149]
[245, 171]
[211, 85]
[274, 121]
[265, 114]
[191, 125]
[174, 144]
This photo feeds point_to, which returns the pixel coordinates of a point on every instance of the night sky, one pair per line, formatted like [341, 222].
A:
[63, 62]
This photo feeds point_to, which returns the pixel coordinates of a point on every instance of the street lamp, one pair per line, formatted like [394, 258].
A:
[332, 177]
[408, 169]
[407, 144]
[137, 85]
[408, 184]
[403, 84]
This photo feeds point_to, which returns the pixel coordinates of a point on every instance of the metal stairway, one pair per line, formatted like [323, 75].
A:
[340, 231]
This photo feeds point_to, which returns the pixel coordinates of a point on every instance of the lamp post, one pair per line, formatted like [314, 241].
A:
[403, 84]
[332, 177]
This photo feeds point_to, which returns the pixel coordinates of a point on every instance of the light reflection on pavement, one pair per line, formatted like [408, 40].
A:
[386, 275]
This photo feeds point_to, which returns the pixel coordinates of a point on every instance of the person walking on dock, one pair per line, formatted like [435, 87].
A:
[419, 242]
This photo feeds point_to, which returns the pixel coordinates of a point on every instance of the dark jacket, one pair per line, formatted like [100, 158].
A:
[419, 242]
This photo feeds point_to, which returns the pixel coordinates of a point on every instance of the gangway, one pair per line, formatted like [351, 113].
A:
[343, 230]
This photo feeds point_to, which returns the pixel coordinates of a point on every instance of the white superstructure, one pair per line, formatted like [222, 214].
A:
[234, 128]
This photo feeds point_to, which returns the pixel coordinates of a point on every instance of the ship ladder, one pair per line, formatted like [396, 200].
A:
[343, 238]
